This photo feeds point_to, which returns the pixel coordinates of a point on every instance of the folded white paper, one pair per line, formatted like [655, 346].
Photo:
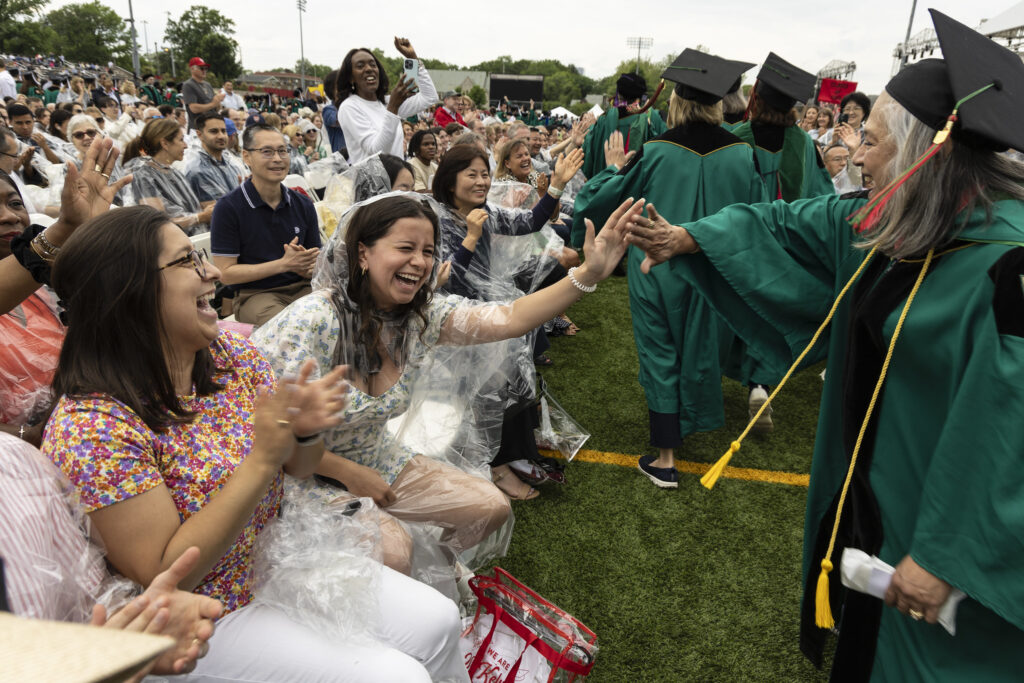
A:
[867, 574]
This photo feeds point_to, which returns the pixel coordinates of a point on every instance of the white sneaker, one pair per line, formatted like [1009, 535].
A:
[758, 397]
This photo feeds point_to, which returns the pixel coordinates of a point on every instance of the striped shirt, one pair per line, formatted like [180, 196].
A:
[51, 570]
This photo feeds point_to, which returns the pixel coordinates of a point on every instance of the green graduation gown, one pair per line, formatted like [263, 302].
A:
[940, 475]
[788, 161]
[636, 130]
[689, 172]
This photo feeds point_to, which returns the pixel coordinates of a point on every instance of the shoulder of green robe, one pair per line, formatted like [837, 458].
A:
[700, 139]
[1004, 225]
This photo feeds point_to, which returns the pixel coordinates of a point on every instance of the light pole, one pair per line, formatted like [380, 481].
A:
[301, 4]
[174, 72]
[145, 34]
[906, 41]
[640, 43]
[135, 43]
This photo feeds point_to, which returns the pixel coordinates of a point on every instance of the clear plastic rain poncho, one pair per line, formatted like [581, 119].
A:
[356, 183]
[434, 407]
[169, 185]
[53, 570]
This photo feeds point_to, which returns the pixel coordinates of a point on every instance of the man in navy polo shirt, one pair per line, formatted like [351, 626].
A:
[264, 236]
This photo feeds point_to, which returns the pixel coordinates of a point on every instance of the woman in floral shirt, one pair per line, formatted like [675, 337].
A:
[174, 436]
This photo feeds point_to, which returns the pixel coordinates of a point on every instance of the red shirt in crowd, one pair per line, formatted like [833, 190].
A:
[442, 118]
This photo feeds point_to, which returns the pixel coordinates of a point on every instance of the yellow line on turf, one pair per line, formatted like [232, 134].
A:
[699, 468]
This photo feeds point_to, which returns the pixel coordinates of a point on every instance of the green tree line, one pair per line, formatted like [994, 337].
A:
[94, 33]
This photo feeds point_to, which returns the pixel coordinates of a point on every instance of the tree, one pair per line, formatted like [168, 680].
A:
[90, 32]
[204, 32]
[19, 27]
[219, 52]
[478, 95]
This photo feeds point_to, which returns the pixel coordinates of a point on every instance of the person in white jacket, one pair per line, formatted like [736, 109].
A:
[371, 122]
[120, 127]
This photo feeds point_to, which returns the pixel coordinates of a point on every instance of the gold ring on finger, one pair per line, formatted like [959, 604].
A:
[284, 423]
[915, 615]
[98, 168]
[105, 175]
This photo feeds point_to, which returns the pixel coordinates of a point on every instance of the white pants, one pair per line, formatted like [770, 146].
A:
[419, 641]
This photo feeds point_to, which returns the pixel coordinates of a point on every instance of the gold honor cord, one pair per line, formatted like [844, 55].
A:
[822, 608]
[712, 475]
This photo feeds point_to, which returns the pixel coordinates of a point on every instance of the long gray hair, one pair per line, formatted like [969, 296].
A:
[923, 213]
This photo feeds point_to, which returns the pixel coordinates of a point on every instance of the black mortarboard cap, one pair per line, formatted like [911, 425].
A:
[989, 118]
[703, 77]
[782, 85]
[631, 86]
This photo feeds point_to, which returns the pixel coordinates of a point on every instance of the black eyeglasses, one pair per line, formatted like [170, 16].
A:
[195, 258]
[88, 133]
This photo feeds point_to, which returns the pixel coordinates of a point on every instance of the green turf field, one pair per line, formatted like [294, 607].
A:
[684, 585]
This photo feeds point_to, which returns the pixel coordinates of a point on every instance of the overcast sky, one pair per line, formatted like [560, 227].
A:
[591, 35]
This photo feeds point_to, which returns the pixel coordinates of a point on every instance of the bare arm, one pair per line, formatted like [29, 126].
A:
[144, 534]
[480, 324]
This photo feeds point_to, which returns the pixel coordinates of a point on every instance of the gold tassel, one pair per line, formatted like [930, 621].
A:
[712, 475]
[822, 608]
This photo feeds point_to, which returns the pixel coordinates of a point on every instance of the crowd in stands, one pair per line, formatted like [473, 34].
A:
[218, 309]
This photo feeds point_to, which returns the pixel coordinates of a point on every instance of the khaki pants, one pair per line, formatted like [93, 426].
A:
[257, 306]
[468, 508]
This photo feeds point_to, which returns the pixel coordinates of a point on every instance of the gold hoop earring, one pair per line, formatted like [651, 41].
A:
[364, 270]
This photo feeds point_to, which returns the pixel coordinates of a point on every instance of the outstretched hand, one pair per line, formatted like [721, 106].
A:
[566, 167]
[89, 192]
[164, 610]
[604, 250]
[614, 151]
[659, 239]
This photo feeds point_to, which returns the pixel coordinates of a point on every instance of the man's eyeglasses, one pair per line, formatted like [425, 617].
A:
[269, 153]
[88, 133]
[195, 258]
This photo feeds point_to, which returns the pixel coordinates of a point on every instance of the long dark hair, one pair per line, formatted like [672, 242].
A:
[345, 77]
[369, 224]
[57, 117]
[331, 86]
[456, 160]
[107, 277]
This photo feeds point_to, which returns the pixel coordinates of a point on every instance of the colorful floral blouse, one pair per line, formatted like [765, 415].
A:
[110, 455]
[309, 328]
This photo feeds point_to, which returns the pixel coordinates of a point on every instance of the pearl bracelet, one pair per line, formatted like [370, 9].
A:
[579, 285]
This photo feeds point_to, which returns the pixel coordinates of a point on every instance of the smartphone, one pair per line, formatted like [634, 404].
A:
[843, 118]
[412, 73]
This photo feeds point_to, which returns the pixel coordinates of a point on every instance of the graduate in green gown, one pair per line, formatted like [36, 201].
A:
[691, 171]
[636, 128]
[937, 488]
[786, 156]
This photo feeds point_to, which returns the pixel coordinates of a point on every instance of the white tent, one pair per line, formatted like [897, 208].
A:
[596, 110]
[562, 111]
[1005, 24]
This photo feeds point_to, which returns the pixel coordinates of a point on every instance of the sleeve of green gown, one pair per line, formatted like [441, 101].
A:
[593, 147]
[817, 181]
[970, 525]
[770, 270]
[601, 195]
